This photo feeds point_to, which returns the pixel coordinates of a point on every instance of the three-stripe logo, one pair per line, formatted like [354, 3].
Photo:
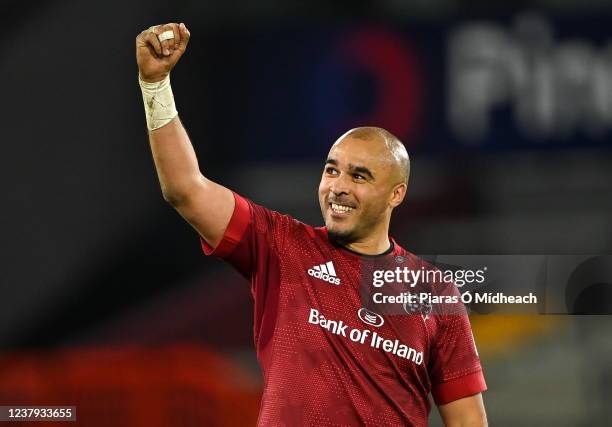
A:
[325, 272]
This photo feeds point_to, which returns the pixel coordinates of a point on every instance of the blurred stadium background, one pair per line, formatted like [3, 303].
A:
[106, 301]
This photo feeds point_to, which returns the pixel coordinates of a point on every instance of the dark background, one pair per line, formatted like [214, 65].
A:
[106, 301]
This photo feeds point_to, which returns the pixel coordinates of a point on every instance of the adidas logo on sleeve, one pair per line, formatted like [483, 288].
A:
[325, 272]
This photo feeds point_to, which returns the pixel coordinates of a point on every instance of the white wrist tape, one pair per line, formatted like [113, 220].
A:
[158, 102]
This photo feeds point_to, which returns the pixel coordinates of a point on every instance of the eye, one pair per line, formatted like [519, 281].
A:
[331, 171]
[359, 177]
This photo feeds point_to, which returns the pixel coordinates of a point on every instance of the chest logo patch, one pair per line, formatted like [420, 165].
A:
[370, 318]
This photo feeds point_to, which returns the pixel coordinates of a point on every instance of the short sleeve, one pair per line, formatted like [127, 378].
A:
[455, 368]
[240, 220]
[252, 244]
[252, 238]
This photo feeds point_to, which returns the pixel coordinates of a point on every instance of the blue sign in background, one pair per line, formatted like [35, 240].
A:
[290, 92]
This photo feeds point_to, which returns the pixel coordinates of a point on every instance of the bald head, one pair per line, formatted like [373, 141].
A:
[387, 144]
[365, 177]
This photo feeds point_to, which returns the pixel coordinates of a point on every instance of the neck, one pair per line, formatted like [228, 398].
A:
[372, 245]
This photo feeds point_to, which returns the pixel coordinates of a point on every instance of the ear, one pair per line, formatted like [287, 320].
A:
[398, 194]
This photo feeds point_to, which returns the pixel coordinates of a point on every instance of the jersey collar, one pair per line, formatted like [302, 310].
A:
[392, 247]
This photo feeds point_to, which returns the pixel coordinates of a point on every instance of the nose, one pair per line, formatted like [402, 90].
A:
[340, 185]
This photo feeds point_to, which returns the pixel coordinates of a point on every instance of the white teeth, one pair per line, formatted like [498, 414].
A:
[340, 208]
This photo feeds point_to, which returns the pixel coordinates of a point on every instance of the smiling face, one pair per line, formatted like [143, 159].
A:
[364, 178]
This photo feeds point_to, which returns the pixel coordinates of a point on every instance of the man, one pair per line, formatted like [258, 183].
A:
[327, 357]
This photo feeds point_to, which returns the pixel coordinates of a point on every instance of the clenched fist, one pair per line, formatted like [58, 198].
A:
[155, 59]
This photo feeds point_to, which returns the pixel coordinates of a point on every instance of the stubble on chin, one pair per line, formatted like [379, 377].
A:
[341, 237]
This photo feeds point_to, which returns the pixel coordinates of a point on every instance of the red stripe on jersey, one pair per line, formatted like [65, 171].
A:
[458, 388]
[235, 230]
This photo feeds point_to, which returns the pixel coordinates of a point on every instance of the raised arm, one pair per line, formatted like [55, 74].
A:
[206, 205]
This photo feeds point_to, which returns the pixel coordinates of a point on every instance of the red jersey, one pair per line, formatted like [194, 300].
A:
[326, 358]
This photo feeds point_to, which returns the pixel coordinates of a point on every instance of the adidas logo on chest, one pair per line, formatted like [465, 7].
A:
[325, 272]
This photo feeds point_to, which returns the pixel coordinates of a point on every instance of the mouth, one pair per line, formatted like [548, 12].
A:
[340, 210]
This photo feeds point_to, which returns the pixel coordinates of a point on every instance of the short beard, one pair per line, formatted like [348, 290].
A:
[342, 238]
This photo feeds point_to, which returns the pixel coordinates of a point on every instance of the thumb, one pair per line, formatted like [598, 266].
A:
[185, 35]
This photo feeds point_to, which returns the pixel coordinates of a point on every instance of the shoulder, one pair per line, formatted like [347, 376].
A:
[281, 226]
